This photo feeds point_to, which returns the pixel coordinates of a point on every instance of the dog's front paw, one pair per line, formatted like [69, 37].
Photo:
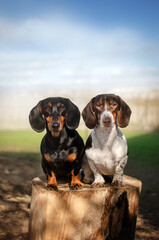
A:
[52, 187]
[97, 184]
[75, 181]
[117, 183]
[76, 184]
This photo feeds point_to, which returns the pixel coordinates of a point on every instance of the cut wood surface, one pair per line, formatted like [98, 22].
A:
[86, 214]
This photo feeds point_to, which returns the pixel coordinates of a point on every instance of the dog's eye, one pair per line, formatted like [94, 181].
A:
[99, 106]
[47, 109]
[114, 104]
[61, 108]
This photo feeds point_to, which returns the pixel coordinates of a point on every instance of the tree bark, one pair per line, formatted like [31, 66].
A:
[87, 214]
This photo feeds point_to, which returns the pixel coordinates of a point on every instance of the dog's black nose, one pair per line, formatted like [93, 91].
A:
[55, 125]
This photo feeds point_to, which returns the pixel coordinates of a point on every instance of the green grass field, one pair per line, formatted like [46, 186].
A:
[143, 147]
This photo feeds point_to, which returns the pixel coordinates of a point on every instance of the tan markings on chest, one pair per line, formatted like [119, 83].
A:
[71, 157]
[47, 157]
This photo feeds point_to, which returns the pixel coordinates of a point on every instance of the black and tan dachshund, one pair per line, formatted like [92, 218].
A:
[62, 148]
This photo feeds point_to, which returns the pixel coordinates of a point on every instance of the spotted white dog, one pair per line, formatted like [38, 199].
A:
[106, 147]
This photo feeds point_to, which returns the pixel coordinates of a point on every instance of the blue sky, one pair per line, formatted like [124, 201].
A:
[102, 44]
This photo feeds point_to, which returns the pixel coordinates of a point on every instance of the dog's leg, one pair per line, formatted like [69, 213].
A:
[75, 181]
[98, 178]
[52, 182]
[118, 175]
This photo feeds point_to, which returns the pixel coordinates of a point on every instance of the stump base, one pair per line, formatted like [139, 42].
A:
[100, 213]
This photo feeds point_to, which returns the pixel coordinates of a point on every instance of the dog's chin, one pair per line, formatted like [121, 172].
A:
[55, 133]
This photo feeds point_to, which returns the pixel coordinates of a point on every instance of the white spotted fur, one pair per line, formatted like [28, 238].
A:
[108, 154]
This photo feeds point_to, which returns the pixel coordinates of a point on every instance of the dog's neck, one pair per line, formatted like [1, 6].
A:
[53, 141]
[65, 138]
[105, 135]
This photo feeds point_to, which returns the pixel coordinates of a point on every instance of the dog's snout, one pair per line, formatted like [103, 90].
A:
[107, 120]
[55, 125]
[55, 116]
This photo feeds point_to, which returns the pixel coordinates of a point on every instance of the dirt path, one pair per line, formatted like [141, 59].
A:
[15, 191]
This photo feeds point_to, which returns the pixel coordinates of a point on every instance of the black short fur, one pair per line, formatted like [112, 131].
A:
[58, 144]
[59, 151]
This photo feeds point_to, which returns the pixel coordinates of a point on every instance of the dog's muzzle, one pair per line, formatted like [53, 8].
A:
[106, 119]
[55, 125]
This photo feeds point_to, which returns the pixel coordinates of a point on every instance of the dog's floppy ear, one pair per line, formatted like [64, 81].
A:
[73, 115]
[89, 115]
[36, 119]
[124, 114]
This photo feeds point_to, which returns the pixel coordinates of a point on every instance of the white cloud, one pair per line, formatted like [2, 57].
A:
[59, 52]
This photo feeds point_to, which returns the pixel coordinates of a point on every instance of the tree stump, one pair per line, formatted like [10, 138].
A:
[86, 214]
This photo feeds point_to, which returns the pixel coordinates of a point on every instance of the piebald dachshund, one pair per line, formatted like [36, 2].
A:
[106, 147]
